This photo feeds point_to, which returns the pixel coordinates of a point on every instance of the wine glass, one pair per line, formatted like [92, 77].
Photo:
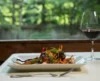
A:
[90, 27]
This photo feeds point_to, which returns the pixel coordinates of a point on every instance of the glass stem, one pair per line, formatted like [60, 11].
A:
[92, 49]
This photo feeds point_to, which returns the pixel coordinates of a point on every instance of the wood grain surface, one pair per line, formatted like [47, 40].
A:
[28, 46]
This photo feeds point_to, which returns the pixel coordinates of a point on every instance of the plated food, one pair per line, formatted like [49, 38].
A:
[49, 59]
[50, 56]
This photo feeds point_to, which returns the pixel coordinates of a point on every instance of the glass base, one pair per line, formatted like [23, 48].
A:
[89, 59]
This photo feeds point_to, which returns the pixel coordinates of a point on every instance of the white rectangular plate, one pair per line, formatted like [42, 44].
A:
[79, 63]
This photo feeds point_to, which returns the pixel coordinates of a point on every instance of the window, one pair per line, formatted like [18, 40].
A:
[43, 19]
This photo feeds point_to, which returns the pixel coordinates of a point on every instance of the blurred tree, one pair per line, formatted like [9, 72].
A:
[61, 12]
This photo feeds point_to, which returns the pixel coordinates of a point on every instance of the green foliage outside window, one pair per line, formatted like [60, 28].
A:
[48, 14]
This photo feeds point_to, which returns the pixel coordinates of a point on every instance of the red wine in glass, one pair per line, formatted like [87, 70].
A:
[91, 33]
[90, 27]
